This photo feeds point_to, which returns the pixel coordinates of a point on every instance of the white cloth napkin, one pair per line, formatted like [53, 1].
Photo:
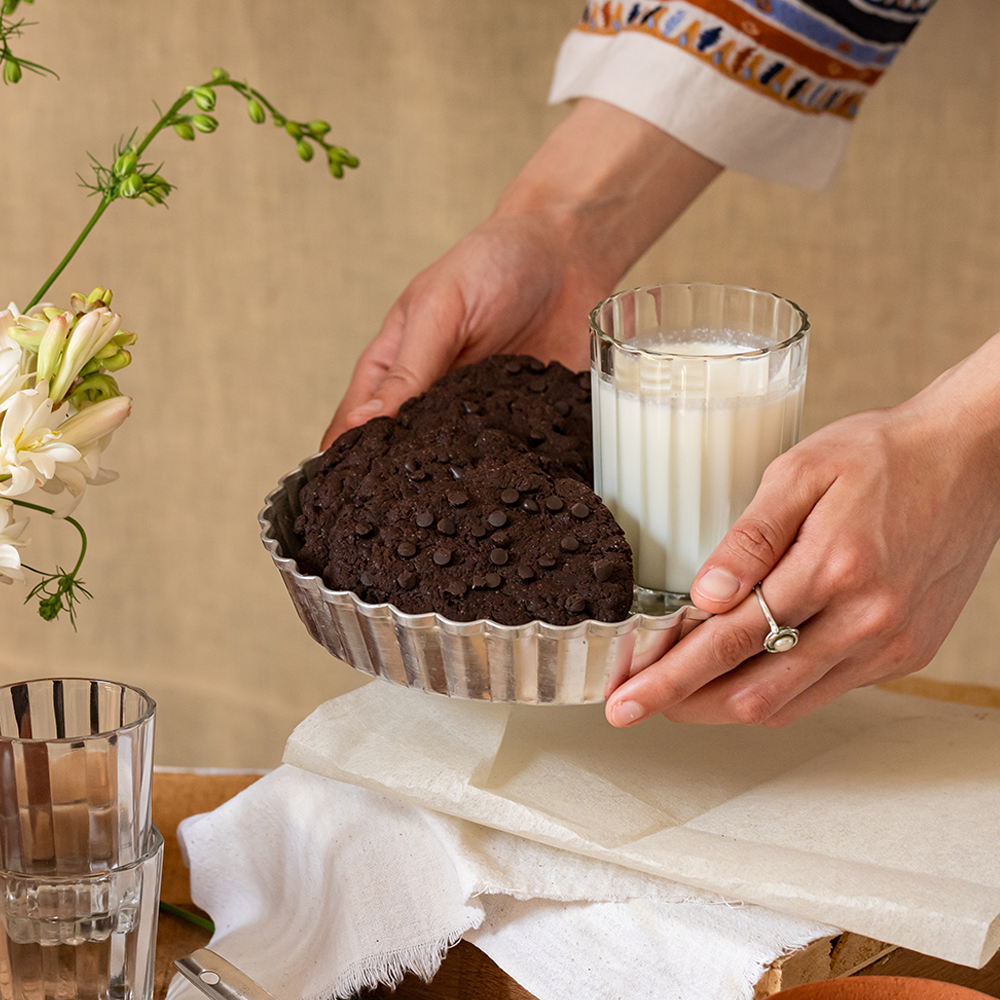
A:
[319, 888]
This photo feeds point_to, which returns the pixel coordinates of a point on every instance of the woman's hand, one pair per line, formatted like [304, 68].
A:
[869, 537]
[509, 287]
[602, 187]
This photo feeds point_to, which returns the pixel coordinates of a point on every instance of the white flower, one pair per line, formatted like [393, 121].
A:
[92, 332]
[10, 540]
[30, 446]
[15, 363]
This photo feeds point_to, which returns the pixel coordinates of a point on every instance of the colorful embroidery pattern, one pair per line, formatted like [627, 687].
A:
[788, 50]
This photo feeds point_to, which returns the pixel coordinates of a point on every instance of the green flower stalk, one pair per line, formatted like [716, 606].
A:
[59, 400]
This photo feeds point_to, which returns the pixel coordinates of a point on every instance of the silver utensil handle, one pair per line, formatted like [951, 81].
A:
[219, 979]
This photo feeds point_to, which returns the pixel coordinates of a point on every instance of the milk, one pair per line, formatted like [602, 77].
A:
[681, 441]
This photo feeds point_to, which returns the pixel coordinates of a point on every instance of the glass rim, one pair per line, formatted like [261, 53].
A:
[149, 709]
[155, 845]
[798, 335]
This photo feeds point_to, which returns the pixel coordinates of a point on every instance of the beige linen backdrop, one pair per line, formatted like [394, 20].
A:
[255, 291]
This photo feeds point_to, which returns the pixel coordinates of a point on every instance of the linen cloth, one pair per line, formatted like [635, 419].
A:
[318, 888]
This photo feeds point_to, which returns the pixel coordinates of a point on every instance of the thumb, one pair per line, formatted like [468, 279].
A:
[752, 547]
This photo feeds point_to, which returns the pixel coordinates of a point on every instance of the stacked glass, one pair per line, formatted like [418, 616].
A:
[80, 859]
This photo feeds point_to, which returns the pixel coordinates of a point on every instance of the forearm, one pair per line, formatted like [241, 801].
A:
[608, 184]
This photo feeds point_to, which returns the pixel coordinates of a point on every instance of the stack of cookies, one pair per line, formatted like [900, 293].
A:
[474, 503]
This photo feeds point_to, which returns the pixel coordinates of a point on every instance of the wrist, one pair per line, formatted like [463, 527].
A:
[606, 184]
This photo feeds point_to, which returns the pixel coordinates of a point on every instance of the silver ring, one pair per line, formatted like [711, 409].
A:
[781, 638]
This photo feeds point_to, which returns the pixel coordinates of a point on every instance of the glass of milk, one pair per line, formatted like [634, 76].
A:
[696, 389]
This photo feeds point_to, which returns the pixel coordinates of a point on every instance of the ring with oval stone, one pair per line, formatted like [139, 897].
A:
[781, 638]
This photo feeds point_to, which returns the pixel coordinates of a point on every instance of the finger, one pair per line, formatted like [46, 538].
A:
[368, 374]
[757, 541]
[713, 649]
[417, 343]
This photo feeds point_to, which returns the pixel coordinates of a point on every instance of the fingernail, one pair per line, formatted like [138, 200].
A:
[626, 712]
[365, 411]
[717, 585]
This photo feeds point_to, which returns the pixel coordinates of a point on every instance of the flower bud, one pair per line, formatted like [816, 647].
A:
[95, 421]
[126, 163]
[184, 130]
[304, 149]
[256, 112]
[51, 346]
[99, 297]
[131, 187]
[219, 74]
[293, 129]
[11, 70]
[336, 168]
[204, 97]
[319, 128]
[204, 123]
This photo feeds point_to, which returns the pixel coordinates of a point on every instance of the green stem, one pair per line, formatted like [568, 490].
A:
[72, 520]
[106, 199]
[179, 911]
[61, 266]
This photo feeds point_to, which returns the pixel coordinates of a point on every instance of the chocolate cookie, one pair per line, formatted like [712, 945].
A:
[546, 407]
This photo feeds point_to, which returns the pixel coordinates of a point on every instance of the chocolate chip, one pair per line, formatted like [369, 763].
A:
[510, 496]
[583, 380]
[501, 540]
[536, 435]
[554, 503]
[446, 526]
[525, 572]
[424, 519]
[419, 476]
[456, 588]
[499, 557]
[471, 406]
[547, 561]
[538, 385]
[407, 580]
[406, 549]
[366, 580]
[529, 506]
[493, 580]
[575, 604]
[580, 510]
[477, 531]
[512, 367]
[568, 543]
[362, 529]
[442, 557]
[457, 498]
[536, 365]
[411, 465]
[563, 406]
[604, 570]
[498, 519]
[456, 474]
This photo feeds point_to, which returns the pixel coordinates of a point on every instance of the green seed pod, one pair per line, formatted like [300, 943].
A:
[204, 123]
[319, 128]
[256, 112]
[11, 70]
[304, 149]
[184, 130]
[132, 186]
[204, 97]
[293, 129]
[126, 163]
